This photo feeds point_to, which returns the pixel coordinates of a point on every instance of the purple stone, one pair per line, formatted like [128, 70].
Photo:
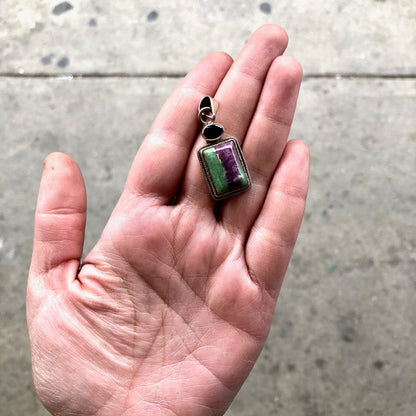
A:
[229, 159]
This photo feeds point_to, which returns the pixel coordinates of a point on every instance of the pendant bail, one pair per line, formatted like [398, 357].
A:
[207, 110]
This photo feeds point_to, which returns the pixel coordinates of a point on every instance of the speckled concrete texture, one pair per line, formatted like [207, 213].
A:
[87, 78]
[148, 37]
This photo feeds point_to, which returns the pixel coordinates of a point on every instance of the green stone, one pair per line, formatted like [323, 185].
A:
[224, 168]
[216, 171]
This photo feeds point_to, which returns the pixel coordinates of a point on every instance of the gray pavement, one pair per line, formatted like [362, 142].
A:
[87, 78]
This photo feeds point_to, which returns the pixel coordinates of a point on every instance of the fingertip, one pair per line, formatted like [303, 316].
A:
[288, 68]
[63, 163]
[216, 65]
[220, 57]
[62, 183]
[264, 46]
[272, 33]
[219, 63]
[59, 160]
[301, 149]
[281, 89]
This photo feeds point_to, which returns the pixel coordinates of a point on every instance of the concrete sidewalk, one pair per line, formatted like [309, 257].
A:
[88, 78]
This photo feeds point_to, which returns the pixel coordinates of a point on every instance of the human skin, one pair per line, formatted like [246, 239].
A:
[171, 308]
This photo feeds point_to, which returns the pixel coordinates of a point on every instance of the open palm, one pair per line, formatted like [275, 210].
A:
[171, 308]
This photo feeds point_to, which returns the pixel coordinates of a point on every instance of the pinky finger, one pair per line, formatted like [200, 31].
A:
[274, 233]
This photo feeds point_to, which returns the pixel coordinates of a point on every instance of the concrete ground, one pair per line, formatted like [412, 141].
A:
[87, 78]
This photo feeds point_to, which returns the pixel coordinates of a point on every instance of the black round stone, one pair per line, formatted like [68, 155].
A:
[212, 132]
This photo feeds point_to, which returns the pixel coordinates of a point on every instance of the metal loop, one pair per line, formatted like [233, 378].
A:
[206, 116]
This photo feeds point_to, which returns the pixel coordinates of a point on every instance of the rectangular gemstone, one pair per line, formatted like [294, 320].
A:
[224, 168]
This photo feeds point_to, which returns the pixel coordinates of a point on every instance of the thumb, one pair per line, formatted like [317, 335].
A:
[60, 217]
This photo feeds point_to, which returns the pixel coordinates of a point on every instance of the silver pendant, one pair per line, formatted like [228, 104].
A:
[222, 160]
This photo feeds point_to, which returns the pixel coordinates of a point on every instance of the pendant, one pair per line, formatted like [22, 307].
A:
[222, 160]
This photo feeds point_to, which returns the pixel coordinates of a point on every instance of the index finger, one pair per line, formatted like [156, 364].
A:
[161, 160]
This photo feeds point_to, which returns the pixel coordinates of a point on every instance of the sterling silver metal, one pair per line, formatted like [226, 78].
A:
[205, 115]
[207, 109]
[212, 132]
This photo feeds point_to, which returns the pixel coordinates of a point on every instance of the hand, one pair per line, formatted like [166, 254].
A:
[171, 308]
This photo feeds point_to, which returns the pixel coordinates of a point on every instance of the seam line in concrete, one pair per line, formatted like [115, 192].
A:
[87, 75]
[351, 75]
[80, 75]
